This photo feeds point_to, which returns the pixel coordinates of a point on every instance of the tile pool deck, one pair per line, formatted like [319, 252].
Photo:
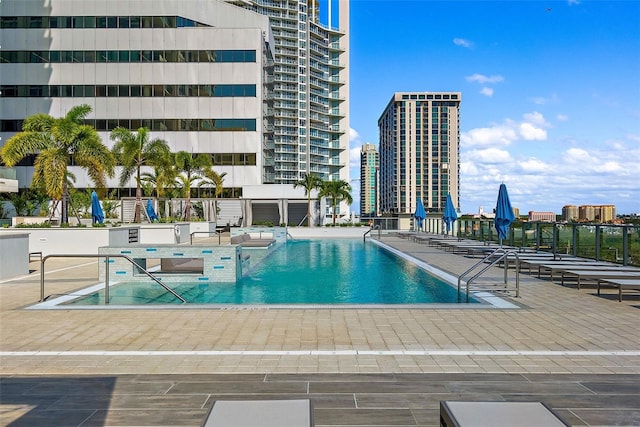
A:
[578, 352]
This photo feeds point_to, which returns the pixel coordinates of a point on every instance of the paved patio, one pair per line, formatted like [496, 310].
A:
[578, 352]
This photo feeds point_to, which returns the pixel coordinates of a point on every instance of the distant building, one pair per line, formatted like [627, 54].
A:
[570, 213]
[369, 167]
[419, 145]
[541, 216]
[605, 213]
[597, 213]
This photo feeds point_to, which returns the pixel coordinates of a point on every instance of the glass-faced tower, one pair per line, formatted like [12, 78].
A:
[311, 83]
[419, 151]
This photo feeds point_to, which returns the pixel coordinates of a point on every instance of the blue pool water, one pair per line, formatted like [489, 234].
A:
[342, 271]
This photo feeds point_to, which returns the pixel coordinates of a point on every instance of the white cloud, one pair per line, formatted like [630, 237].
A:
[535, 118]
[496, 135]
[487, 91]
[353, 135]
[482, 79]
[530, 132]
[562, 117]
[534, 165]
[490, 156]
[541, 100]
[531, 128]
[462, 42]
[546, 181]
[354, 157]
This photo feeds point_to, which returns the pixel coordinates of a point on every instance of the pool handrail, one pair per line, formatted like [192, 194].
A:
[106, 280]
[505, 252]
[375, 227]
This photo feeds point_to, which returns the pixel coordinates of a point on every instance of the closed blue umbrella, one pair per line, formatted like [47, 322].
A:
[504, 213]
[450, 214]
[97, 215]
[150, 212]
[420, 214]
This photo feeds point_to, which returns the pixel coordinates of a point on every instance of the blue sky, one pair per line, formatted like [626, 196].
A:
[550, 93]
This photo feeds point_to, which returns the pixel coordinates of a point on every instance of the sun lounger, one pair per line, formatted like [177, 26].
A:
[579, 275]
[554, 268]
[253, 240]
[260, 413]
[622, 284]
[522, 414]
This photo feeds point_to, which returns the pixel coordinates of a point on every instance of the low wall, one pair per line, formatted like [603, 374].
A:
[77, 241]
[328, 232]
[14, 254]
[218, 263]
[165, 233]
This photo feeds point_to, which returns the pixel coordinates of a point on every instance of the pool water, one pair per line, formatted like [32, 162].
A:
[339, 271]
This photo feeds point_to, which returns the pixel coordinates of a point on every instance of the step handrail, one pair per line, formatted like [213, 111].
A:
[504, 256]
[106, 280]
[208, 233]
[375, 227]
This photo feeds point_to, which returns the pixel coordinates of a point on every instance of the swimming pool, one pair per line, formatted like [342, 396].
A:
[302, 272]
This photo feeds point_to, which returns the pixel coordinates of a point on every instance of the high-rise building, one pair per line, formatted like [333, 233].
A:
[198, 74]
[262, 86]
[419, 147]
[570, 213]
[369, 167]
[311, 92]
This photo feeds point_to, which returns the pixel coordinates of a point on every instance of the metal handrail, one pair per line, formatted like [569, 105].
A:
[106, 281]
[375, 227]
[504, 256]
[219, 233]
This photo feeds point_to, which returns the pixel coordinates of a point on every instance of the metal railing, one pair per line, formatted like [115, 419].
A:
[375, 227]
[106, 280]
[208, 233]
[503, 254]
[617, 243]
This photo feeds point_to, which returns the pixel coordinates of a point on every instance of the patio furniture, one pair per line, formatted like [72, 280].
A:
[521, 414]
[579, 275]
[260, 413]
[622, 284]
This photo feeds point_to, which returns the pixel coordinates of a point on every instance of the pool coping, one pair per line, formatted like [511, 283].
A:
[486, 300]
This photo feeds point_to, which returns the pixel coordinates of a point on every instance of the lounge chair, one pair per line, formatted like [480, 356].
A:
[260, 413]
[622, 284]
[253, 240]
[597, 275]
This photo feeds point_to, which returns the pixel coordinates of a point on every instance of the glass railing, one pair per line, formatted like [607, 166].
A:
[601, 242]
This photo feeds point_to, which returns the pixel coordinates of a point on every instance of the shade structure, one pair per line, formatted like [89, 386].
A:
[150, 212]
[450, 214]
[97, 214]
[420, 214]
[504, 213]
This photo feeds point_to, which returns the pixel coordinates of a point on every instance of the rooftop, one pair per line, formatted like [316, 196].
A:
[574, 350]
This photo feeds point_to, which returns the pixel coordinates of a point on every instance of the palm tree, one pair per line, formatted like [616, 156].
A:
[337, 191]
[211, 178]
[191, 169]
[309, 182]
[55, 142]
[134, 150]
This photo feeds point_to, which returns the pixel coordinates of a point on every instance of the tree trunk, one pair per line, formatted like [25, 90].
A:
[137, 214]
[334, 213]
[64, 208]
